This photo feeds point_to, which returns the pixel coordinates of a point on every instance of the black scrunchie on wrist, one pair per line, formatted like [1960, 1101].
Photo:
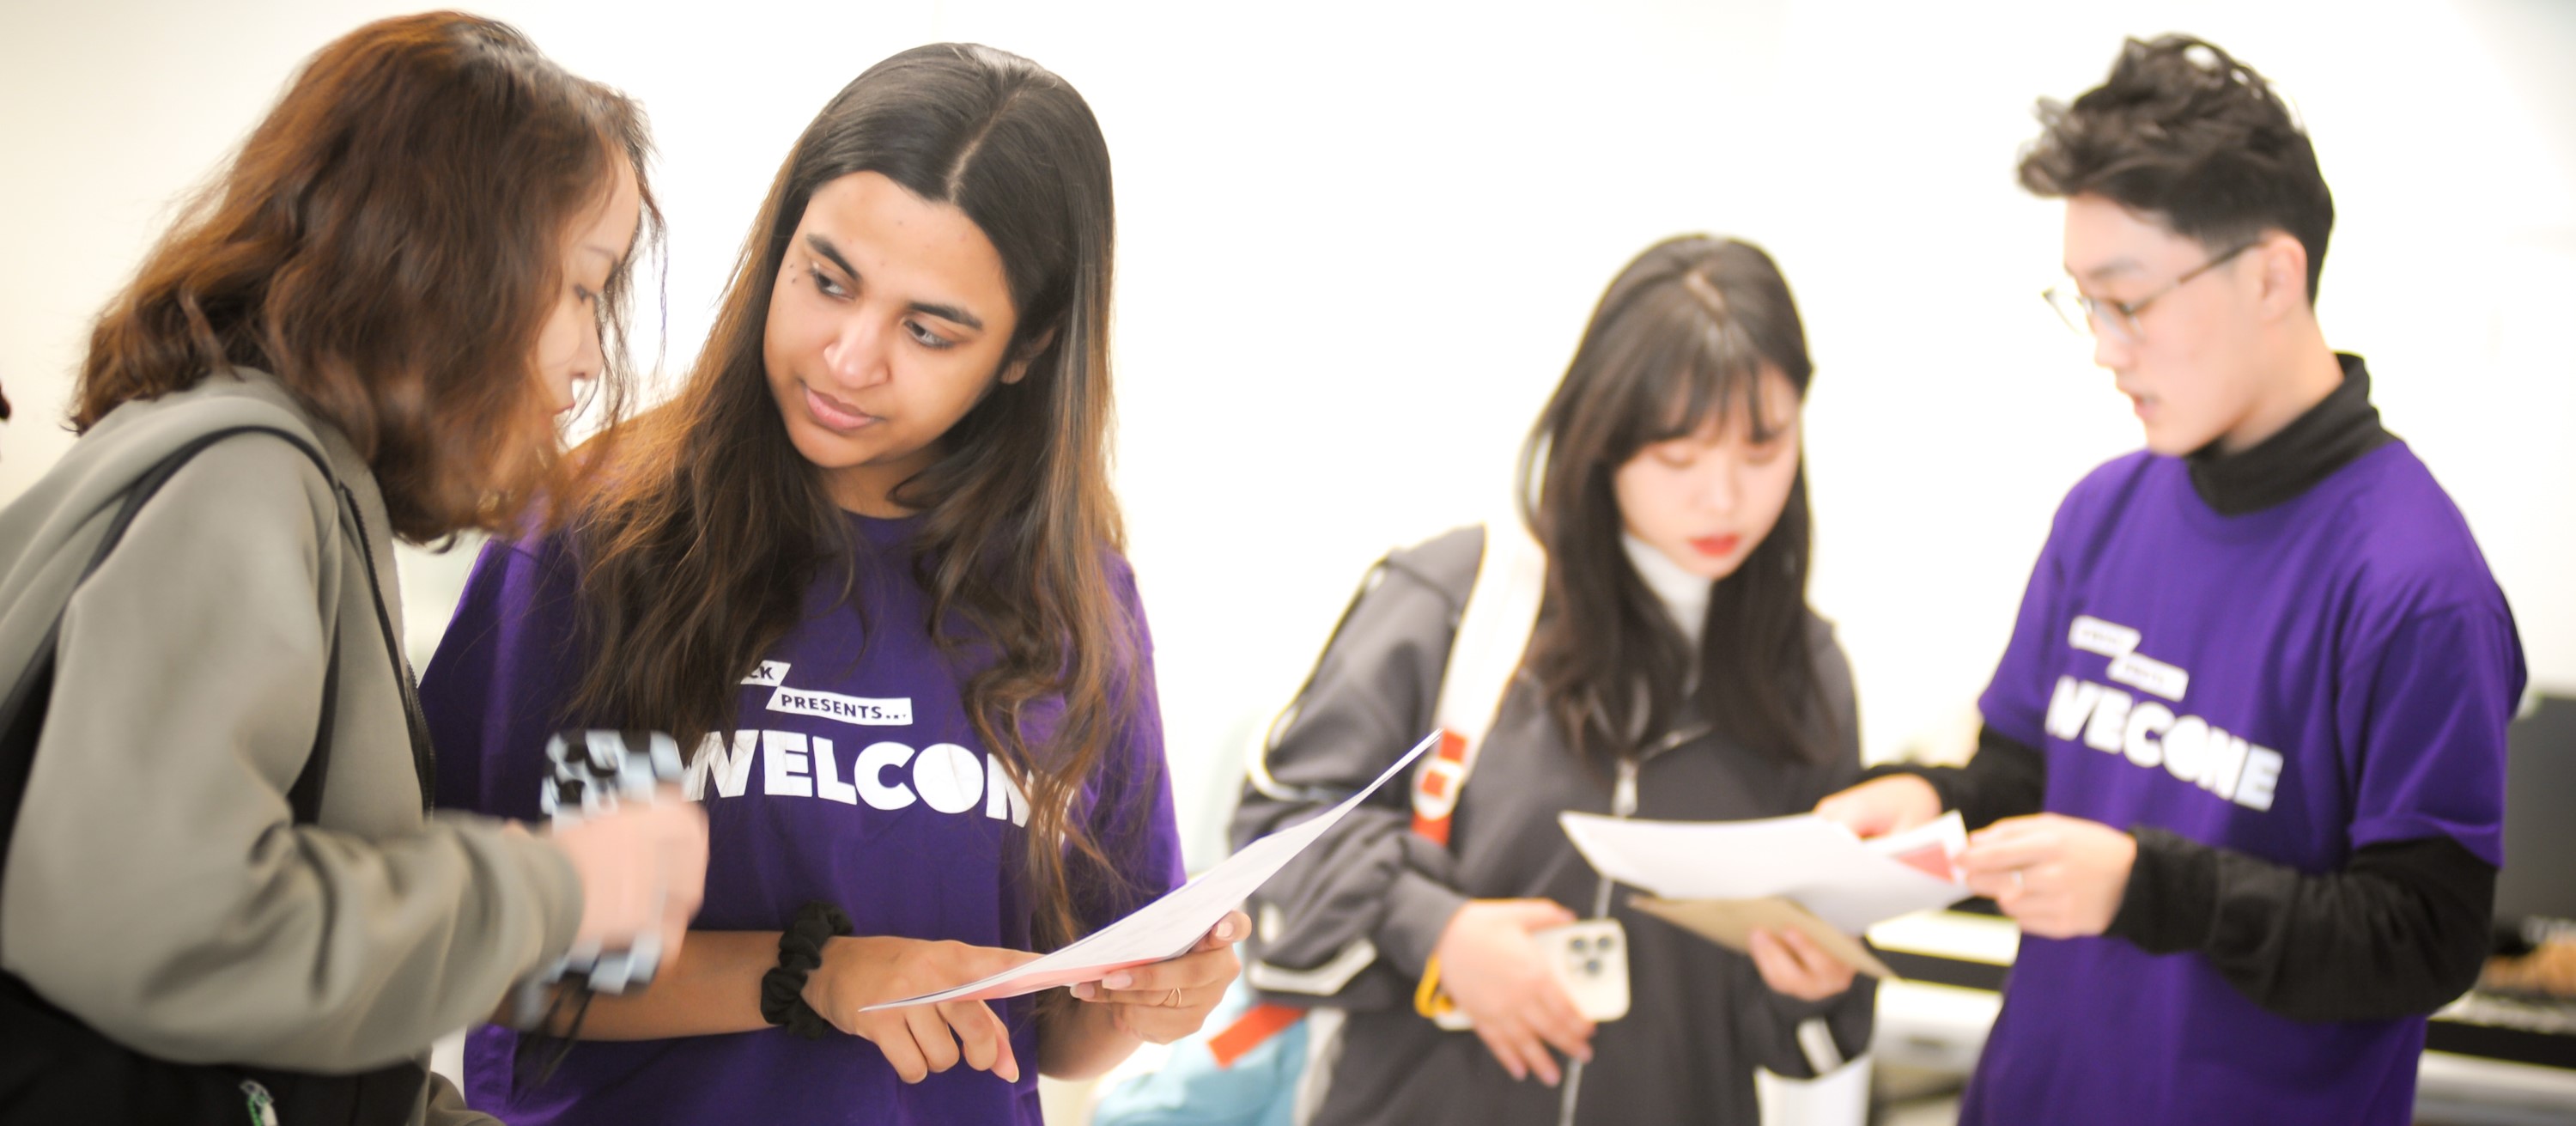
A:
[800, 950]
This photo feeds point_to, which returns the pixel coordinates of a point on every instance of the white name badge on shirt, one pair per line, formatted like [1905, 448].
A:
[856, 710]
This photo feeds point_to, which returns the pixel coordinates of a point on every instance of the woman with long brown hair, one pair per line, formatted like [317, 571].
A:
[1674, 671]
[866, 566]
[222, 878]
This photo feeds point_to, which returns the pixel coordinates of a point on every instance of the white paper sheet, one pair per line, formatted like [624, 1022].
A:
[1169, 926]
[1846, 881]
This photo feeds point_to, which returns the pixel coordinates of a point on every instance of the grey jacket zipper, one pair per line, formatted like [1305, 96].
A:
[1623, 803]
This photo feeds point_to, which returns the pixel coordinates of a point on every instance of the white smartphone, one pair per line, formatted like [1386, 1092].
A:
[1590, 959]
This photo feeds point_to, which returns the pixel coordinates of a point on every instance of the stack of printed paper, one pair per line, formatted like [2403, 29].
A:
[1725, 879]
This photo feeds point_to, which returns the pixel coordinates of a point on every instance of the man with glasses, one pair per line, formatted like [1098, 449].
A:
[2242, 771]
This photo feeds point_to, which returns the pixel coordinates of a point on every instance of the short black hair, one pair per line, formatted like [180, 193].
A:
[2183, 131]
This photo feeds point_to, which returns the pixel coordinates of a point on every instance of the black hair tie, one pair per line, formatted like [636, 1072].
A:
[800, 950]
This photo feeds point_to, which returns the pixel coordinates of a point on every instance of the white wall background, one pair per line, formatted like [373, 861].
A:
[1360, 240]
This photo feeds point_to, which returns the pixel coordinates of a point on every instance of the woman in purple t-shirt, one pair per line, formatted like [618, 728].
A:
[865, 565]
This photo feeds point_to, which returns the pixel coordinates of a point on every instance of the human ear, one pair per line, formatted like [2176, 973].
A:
[1018, 367]
[2284, 264]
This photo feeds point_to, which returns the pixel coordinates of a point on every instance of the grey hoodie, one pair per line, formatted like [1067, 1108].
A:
[156, 885]
[1358, 915]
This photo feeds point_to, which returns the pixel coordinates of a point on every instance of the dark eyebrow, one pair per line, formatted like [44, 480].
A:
[824, 247]
[2112, 268]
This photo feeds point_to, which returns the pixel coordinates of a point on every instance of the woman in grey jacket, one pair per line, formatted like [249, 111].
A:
[1675, 673]
[405, 269]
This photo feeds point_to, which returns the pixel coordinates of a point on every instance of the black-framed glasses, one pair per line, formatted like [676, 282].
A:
[2081, 313]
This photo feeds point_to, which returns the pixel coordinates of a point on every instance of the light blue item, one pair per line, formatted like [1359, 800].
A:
[1191, 1090]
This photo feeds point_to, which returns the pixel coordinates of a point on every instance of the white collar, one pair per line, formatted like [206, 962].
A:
[1684, 595]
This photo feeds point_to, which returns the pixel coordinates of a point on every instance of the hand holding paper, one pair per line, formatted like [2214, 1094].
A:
[1881, 806]
[1167, 927]
[1793, 964]
[2057, 876]
[1164, 1001]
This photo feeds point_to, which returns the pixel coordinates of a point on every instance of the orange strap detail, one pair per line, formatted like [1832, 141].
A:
[1256, 1026]
[1436, 784]
[1429, 999]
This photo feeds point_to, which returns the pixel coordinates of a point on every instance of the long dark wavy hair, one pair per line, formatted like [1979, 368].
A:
[1680, 338]
[387, 243]
[698, 547]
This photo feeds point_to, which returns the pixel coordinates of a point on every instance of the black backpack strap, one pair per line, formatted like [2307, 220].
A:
[305, 796]
[424, 757]
[22, 711]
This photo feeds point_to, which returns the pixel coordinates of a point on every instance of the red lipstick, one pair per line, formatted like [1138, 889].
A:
[1716, 547]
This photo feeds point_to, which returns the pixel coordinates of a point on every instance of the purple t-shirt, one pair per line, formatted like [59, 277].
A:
[853, 777]
[2294, 683]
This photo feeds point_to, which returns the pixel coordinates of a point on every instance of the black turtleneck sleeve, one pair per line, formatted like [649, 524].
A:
[2399, 931]
[2005, 778]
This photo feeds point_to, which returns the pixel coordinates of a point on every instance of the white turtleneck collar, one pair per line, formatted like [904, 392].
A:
[1684, 595]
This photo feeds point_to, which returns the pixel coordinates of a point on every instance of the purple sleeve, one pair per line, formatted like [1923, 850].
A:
[496, 687]
[2428, 708]
[1133, 819]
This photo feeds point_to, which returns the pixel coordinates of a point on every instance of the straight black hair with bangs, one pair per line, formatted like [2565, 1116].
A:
[1680, 338]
